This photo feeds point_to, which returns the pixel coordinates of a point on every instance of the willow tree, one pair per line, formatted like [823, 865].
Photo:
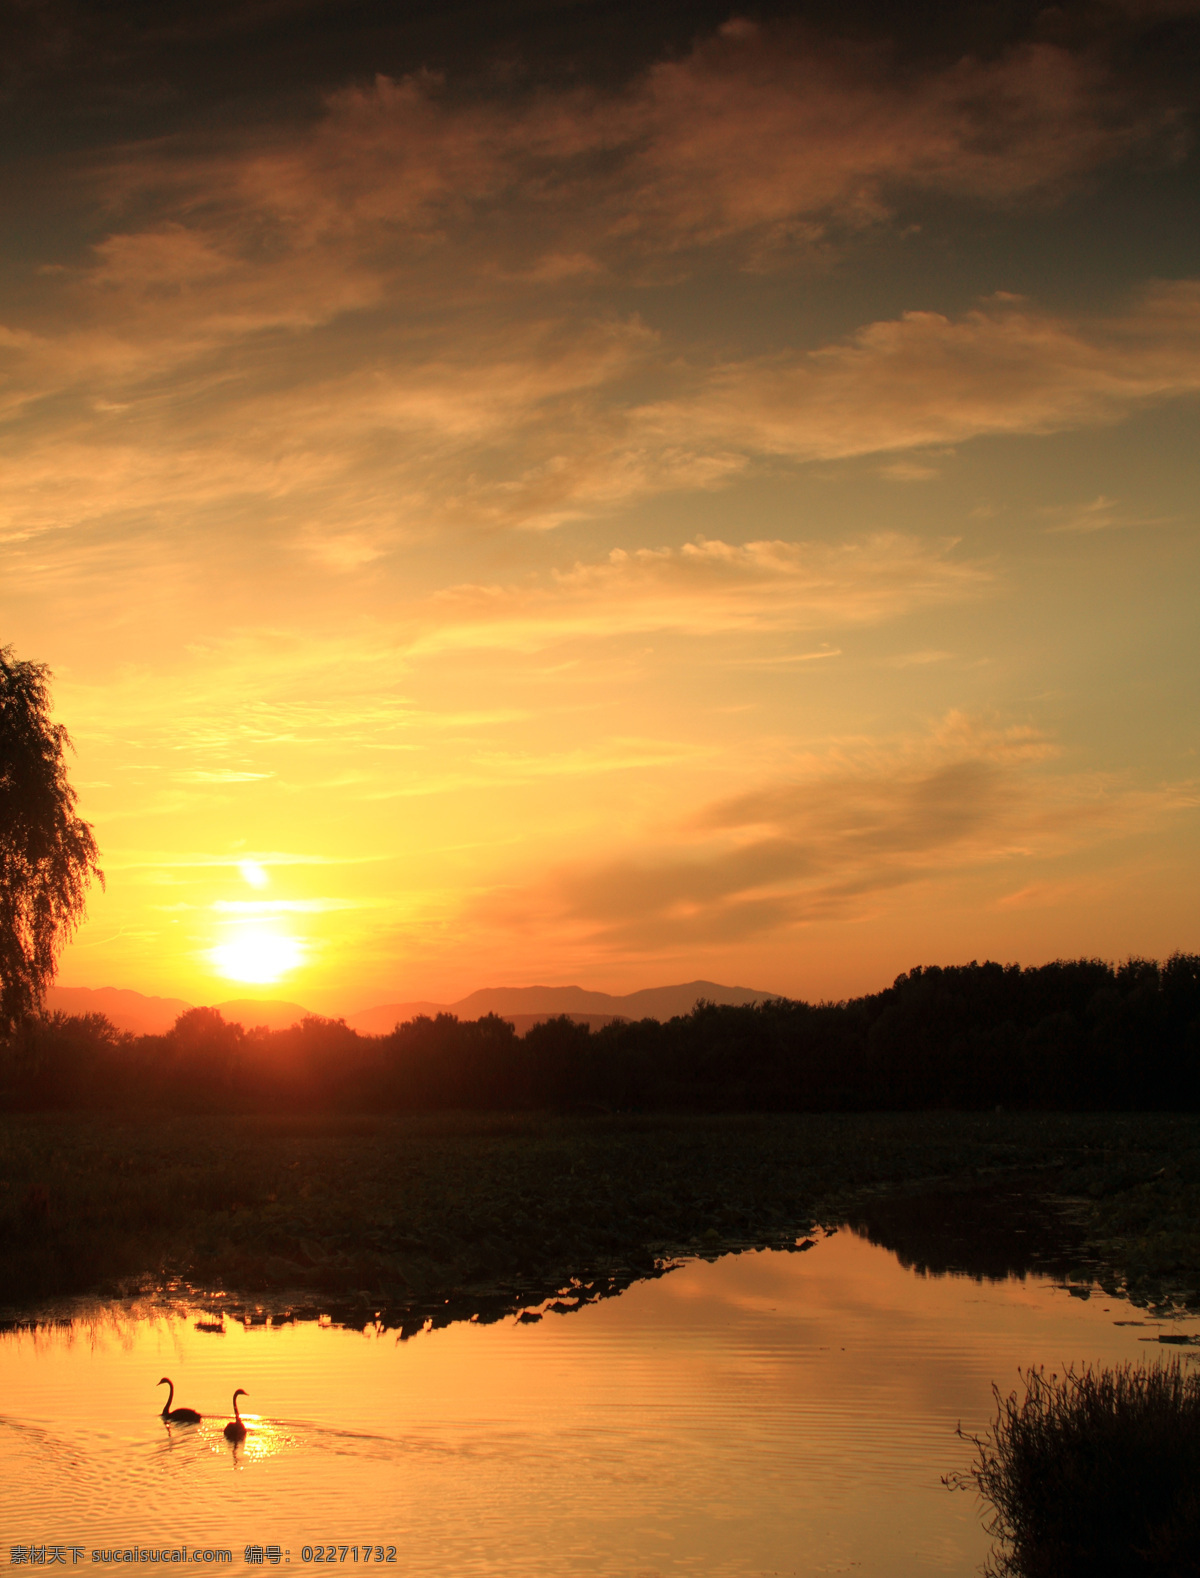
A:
[47, 853]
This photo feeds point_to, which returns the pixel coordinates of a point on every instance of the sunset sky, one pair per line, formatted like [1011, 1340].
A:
[551, 491]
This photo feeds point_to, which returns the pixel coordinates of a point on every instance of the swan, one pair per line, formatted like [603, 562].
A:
[235, 1430]
[177, 1416]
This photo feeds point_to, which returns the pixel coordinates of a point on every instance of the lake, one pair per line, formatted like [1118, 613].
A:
[763, 1413]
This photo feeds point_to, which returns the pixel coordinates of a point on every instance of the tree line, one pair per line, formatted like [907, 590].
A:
[1080, 1035]
[1077, 1034]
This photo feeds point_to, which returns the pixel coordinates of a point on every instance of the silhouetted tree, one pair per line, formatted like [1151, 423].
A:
[69, 1060]
[47, 853]
[1076, 1034]
[201, 1057]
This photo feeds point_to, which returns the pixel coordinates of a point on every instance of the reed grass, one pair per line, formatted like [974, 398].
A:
[1093, 1472]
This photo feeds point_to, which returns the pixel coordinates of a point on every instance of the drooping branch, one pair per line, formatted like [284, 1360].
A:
[48, 854]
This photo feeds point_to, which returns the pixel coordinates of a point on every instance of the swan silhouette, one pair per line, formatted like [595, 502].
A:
[235, 1430]
[177, 1416]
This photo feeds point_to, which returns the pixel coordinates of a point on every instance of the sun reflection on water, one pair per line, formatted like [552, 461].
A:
[264, 1439]
[716, 1421]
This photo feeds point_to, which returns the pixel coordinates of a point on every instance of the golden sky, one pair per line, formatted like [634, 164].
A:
[549, 493]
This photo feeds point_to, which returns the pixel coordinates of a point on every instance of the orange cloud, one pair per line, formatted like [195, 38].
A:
[861, 823]
[539, 422]
[708, 586]
[927, 379]
[762, 132]
[371, 324]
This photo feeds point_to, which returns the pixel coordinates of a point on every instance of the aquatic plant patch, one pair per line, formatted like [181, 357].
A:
[484, 1212]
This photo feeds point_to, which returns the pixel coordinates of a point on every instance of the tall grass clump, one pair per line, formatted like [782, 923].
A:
[1094, 1472]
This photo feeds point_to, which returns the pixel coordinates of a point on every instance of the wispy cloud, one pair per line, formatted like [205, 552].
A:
[909, 471]
[221, 775]
[543, 423]
[394, 318]
[919, 659]
[265, 907]
[762, 134]
[926, 379]
[864, 822]
[1099, 514]
[706, 587]
[170, 861]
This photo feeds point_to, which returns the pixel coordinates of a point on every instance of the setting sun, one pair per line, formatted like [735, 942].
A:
[259, 957]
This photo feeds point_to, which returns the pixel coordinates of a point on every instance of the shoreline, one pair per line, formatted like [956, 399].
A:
[456, 1216]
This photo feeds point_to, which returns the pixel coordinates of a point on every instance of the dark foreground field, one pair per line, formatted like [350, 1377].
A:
[444, 1216]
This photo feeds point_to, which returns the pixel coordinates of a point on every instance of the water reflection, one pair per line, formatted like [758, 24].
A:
[764, 1412]
[263, 1439]
[990, 1233]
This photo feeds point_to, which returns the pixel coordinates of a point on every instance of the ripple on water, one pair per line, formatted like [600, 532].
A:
[764, 1412]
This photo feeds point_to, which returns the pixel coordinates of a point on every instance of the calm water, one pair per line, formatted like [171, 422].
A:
[766, 1414]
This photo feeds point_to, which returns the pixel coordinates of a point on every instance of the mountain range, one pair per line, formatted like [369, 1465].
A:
[523, 1005]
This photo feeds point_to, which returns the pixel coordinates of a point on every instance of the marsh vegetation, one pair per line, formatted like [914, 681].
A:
[450, 1214]
[1094, 1473]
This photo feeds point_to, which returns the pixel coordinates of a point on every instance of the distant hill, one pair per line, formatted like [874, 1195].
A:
[382, 1020]
[523, 1005]
[270, 1011]
[151, 1016]
[529, 1004]
[144, 1016]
